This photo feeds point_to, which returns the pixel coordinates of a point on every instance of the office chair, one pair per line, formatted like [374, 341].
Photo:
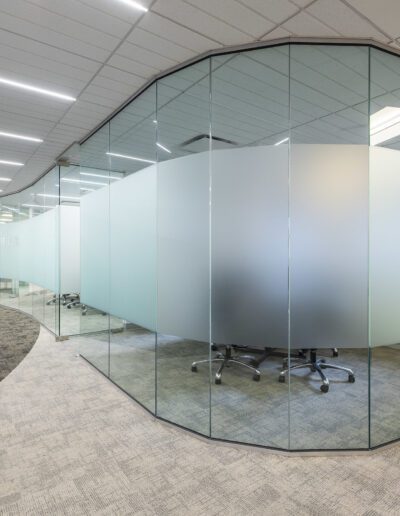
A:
[316, 365]
[227, 358]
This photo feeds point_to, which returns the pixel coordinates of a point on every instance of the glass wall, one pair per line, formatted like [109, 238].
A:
[224, 248]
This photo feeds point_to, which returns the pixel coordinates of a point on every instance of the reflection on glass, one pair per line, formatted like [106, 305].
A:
[225, 251]
[384, 179]
[329, 247]
[183, 190]
[249, 245]
[133, 280]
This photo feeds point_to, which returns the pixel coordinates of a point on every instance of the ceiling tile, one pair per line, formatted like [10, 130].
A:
[275, 10]
[199, 21]
[383, 13]
[235, 14]
[344, 20]
[303, 24]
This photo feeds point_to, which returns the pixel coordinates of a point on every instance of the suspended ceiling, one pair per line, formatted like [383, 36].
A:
[102, 51]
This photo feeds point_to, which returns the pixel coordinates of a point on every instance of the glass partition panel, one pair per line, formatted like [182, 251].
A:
[249, 246]
[329, 247]
[83, 185]
[384, 247]
[133, 259]
[183, 293]
[29, 250]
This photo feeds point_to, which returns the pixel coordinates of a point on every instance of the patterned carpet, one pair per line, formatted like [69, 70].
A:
[18, 333]
[71, 443]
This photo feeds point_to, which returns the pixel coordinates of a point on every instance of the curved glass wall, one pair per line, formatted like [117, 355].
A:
[225, 247]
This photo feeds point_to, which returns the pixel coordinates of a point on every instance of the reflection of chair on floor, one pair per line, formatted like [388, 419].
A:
[227, 358]
[317, 365]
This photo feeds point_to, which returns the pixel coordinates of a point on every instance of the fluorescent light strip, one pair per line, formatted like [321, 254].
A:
[20, 137]
[12, 163]
[91, 174]
[5, 179]
[281, 141]
[10, 208]
[37, 206]
[34, 89]
[384, 125]
[68, 180]
[163, 148]
[123, 156]
[54, 196]
[135, 5]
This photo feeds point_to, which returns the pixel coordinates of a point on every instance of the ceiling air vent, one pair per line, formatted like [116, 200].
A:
[201, 143]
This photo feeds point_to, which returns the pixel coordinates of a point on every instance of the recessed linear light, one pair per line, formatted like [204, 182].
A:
[384, 125]
[12, 163]
[5, 179]
[91, 174]
[34, 89]
[37, 206]
[68, 180]
[123, 156]
[135, 5]
[281, 141]
[54, 196]
[163, 148]
[21, 137]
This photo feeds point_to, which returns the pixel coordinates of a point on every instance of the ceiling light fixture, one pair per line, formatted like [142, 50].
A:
[68, 180]
[135, 5]
[123, 156]
[5, 179]
[37, 206]
[90, 174]
[54, 196]
[12, 163]
[34, 89]
[384, 125]
[163, 148]
[281, 141]
[20, 137]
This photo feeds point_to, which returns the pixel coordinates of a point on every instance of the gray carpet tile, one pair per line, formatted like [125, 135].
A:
[71, 443]
[18, 333]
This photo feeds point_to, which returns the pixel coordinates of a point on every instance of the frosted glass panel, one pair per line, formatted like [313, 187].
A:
[250, 247]
[95, 249]
[29, 250]
[329, 243]
[183, 256]
[133, 248]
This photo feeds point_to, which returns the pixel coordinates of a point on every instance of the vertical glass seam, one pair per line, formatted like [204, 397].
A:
[368, 251]
[289, 236]
[210, 244]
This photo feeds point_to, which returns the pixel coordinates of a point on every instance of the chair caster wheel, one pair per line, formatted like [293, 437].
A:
[281, 379]
[218, 381]
[194, 369]
[352, 378]
[256, 377]
[324, 388]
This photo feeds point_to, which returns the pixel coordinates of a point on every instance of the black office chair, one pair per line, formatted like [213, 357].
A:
[316, 365]
[227, 358]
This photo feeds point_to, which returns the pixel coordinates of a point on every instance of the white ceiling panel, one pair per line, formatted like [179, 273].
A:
[304, 21]
[383, 13]
[276, 10]
[344, 20]
[102, 51]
